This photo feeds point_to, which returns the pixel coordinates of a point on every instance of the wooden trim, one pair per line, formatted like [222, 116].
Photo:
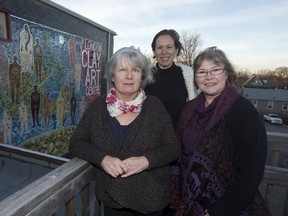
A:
[47, 194]
[5, 26]
[32, 154]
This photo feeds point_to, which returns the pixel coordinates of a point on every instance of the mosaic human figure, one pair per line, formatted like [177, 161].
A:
[35, 106]
[82, 106]
[3, 72]
[73, 108]
[23, 117]
[77, 76]
[7, 128]
[47, 111]
[15, 79]
[26, 48]
[72, 52]
[59, 110]
[37, 55]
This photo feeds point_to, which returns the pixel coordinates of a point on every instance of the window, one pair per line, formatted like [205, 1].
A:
[270, 105]
[5, 33]
[255, 102]
[285, 106]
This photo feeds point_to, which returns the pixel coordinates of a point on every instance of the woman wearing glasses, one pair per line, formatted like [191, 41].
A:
[224, 146]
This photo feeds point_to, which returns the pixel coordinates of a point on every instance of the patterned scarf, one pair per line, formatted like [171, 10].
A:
[196, 122]
[117, 107]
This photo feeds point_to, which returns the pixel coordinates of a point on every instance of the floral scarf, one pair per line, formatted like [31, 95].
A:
[117, 107]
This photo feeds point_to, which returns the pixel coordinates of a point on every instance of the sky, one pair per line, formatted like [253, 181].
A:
[253, 34]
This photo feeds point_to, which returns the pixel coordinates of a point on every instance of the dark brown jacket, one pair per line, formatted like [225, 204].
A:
[152, 136]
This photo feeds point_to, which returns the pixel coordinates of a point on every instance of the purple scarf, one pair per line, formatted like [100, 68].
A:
[195, 122]
[201, 119]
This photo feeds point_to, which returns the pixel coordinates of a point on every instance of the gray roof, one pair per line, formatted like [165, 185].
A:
[265, 94]
[256, 81]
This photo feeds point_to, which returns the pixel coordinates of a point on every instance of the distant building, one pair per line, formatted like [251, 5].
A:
[268, 100]
[256, 81]
[264, 95]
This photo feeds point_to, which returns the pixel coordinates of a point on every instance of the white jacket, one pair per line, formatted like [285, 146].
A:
[188, 75]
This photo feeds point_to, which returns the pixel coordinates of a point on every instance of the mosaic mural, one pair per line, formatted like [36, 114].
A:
[47, 79]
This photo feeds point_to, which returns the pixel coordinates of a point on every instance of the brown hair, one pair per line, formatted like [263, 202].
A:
[218, 57]
[173, 34]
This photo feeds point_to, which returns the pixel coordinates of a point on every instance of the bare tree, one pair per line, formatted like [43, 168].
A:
[191, 44]
[278, 75]
[282, 72]
[243, 73]
[281, 77]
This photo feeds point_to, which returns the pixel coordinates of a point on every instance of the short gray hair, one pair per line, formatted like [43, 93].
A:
[135, 59]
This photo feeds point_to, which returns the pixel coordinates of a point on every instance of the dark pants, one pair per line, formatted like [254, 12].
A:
[128, 212]
[169, 212]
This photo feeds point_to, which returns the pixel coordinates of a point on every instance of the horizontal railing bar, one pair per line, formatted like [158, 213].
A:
[35, 194]
[10, 150]
[275, 176]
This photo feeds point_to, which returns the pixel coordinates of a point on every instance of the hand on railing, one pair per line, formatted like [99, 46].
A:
[130, 166]
[134, 165]
[113, 166]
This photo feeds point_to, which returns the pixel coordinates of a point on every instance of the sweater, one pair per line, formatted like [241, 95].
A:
[233, 168]
[174, 87]
[152, 135]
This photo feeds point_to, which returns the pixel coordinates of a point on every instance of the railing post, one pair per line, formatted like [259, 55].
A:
[70, 207]
[286, 205]
[269, 188]
[275, 156]
[85, 200]
[268, 193]
[97, 207]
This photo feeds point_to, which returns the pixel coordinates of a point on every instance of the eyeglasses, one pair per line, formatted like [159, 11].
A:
[213, 72]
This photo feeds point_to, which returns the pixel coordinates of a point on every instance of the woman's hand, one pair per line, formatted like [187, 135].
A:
[113, 166]
[134, 165]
